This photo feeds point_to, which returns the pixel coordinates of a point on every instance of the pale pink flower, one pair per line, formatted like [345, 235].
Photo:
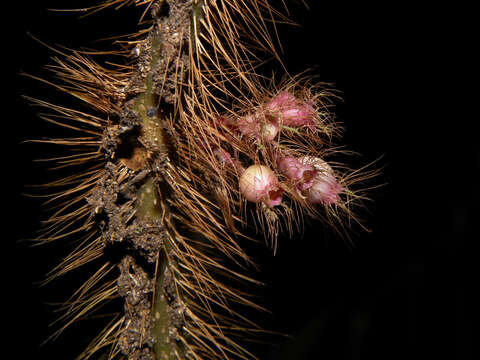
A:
[302, 174]
[259, 184]
[325, 188]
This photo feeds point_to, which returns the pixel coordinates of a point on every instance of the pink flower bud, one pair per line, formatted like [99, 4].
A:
[302, 174]
[225, 121]
[282, 100]
[226, 158]
[259, 126]
[300, 115]
[290, 111]
[260, 184]
[324, 188]
[248, 124]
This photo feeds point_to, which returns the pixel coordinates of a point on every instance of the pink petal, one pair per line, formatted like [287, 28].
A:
[302, 174]
[291, 111]
[325, 188]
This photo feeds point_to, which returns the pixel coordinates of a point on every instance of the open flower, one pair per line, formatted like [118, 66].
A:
[313, 178]
[301, 173]
[325, 188]
[259, 184]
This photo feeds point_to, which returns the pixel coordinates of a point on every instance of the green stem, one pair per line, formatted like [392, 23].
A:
[148, 210]
[197, 16]
[162, 348]
[148, 206]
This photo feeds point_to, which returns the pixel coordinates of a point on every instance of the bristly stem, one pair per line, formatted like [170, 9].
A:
[148, 206]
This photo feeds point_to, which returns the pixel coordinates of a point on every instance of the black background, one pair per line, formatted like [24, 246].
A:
[405, 290]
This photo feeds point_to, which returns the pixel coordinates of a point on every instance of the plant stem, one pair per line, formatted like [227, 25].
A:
[148, 205]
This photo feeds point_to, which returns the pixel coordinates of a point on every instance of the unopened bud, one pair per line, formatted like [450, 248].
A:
[260, 184]
[226, 159]
[258, 126]
[291, 111]
[269, 131]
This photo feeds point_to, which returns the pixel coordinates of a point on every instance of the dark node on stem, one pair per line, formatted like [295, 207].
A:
[152, 112]
[130, 151]
[161, 9]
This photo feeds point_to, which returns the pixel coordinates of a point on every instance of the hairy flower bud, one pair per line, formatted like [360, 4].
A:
[259, 126]
[248, 124]
[226, 159]
[291, 111]
[225, 121]
[260, 184]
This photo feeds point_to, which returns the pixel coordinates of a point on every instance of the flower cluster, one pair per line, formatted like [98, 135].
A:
[312, 178]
